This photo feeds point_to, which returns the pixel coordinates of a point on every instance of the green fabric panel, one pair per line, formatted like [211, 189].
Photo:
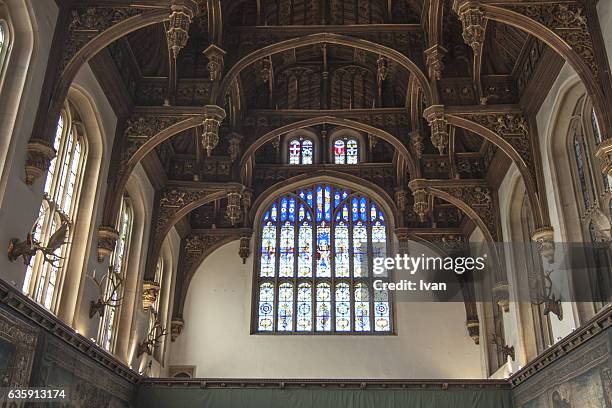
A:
[175, 397]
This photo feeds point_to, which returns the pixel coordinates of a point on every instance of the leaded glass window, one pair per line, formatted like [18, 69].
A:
[314, 273]
[346, 151]
[4, 43]
[300, 151]
[595, 126]
[579, 151]
[62, 184]
[118, 264]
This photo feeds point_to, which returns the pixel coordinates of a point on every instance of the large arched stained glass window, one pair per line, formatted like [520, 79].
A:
[44, 275]
[300, 151]
[346, 151]
[314, 273]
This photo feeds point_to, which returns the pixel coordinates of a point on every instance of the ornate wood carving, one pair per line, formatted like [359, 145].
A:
[176, 201]
[568, 21]
[88, 22]
[512, 127]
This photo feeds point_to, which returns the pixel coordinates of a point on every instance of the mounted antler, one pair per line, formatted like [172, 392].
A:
[109, 287]
[548, 298]
[502, 347]
[156, 332]
[28, 247]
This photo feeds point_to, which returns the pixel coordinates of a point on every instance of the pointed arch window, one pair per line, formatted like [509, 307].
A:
[300, 151]
[314, 273]
[595, 127]
[581, 168]
[118, 265]
[44, 275]
[346, 151]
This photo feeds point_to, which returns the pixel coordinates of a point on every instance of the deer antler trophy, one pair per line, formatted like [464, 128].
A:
[547, 297]
[502, 347]
[156, 332]
[110, 294]
[27, 248]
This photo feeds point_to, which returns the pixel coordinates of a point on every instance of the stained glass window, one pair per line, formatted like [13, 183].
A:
[118, 265]
[62, 184]
[300, 151]
[346, 151]
[314, 273]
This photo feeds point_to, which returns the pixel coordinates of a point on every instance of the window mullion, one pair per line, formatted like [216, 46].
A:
[370, 260]
[295, 260]
[313, 259]
[277, 268]
[332, 254]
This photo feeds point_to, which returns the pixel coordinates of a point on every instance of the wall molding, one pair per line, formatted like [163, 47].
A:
[597, 325]
[35, 314]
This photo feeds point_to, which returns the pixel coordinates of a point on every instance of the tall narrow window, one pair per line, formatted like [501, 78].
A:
[314, 273]
[300, 151]
[4, 43]
[44, 274]
[118, 267]
[579, 151]
[595, 126]
[346, 151]
[154, 317]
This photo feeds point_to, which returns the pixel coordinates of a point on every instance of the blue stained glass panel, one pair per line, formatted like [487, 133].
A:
[305, 248]
[268, 250]
[362, 308]
[382, 321]
[343, 307]
[304, 307]
[285, 307]
[266, 307]
[323, 250]
[286, 250]
[341, 248]
[323, 312]
[360, 250]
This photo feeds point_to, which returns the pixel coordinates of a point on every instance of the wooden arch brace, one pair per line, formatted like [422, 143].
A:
[175, 202]
[196, 246]
[508, 129]
[82, 32]
[571, 28]
[145, 129]
[476, 199]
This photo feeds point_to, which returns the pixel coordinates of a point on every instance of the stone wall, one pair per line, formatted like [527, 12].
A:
[37, 350]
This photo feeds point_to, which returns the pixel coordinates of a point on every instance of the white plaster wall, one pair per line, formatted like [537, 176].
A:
[546, 121]
[512, 324]
[431, 340]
